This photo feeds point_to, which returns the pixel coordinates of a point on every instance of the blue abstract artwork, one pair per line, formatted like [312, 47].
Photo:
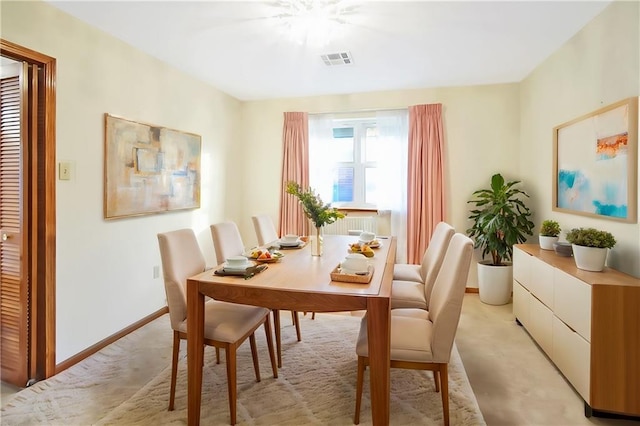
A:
[594, 164]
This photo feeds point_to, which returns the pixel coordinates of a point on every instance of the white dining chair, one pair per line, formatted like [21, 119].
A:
[412, 284]
[226, 325]
[422, 340]
[227, 242]
[265, 229]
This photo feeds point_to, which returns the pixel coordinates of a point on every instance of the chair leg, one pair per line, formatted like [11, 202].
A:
[313, 315]
[359, 380]
[296, 322]
[174, 369]
[276, 326]
[217, 355]
[444, 384]
[436, 379]
[254, 355]
[230, 353]
[272, 357]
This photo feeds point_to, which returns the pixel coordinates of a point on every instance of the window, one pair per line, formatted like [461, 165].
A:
[344, 155]
[359, 160]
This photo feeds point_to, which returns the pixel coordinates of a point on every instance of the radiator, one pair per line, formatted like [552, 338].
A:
[352, 225]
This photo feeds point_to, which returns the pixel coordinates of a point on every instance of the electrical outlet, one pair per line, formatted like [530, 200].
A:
[156, 271]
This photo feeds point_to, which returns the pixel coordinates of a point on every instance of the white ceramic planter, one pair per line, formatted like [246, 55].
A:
[546, 243]
[495, 283]
[589, 258]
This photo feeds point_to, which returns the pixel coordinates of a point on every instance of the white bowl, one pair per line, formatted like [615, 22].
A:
[237, 261]
[366, 237]
[355, 263]
[289, 238]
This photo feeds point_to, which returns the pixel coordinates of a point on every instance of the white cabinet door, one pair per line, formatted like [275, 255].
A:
[572, 303]
[521, 267]
[572, 355]
[521, 303]
[541, 281]
[540, 324]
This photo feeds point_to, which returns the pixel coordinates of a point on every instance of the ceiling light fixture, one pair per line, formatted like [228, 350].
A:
[313, 23]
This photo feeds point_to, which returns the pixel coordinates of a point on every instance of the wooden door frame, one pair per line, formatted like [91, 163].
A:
[42, 238]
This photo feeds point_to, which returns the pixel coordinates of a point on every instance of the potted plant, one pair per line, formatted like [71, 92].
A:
[500, 220]
[549, 232]
[590, 247]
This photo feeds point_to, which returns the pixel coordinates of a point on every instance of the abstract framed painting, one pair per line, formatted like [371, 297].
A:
[596, 163]
[149, 169]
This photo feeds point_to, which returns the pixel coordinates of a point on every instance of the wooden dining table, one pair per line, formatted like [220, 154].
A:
[302, 282]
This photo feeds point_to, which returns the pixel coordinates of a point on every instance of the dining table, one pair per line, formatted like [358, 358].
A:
[300, 281]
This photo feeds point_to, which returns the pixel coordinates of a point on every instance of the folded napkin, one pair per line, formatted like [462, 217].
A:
[245, 273]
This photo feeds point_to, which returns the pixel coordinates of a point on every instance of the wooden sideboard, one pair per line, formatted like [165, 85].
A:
[588, 323]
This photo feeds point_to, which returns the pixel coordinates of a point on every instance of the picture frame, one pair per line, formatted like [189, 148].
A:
[149, 169]
[595, 163]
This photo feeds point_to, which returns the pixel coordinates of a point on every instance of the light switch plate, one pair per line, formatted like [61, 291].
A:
[64, 170]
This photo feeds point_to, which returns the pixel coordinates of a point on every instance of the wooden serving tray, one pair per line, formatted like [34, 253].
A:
[337, 275]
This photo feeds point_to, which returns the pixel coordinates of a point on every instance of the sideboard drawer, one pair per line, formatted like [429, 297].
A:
[572, 355]
[540, 324]
[542, 286]
[522, 267]
[521, 303]
[572, 303]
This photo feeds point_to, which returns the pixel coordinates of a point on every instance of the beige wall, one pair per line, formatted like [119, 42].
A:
[597, 67]
[104, 268]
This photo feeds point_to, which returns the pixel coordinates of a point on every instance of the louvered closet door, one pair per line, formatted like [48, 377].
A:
[14, 286]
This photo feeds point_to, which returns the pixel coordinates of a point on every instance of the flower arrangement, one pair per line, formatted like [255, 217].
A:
[320, 213]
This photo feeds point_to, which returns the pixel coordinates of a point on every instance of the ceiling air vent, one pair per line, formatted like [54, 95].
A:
[341, 58]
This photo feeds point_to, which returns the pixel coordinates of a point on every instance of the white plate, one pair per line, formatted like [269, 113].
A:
[285, 244]
[237, 267]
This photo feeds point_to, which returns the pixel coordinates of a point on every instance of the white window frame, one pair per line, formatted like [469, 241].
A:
[359, 164]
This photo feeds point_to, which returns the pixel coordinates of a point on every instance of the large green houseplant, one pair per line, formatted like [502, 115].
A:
[500, 220]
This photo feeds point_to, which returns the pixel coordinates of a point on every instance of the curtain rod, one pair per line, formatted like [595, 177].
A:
[359, 111]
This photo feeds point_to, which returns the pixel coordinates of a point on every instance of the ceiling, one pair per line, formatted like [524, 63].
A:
[240, 47]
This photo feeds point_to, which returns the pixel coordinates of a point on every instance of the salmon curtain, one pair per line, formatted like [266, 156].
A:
[295, 167]
[425, 181]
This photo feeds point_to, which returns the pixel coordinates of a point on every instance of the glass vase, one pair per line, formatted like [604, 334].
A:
[316, 242]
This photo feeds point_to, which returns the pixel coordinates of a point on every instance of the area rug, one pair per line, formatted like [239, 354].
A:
[316, 385]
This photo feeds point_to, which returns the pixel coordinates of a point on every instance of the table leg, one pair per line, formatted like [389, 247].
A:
[195, 351]
[379, 329]
[276, 327]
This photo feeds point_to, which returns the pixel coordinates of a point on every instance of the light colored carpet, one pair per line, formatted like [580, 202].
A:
[316, 385]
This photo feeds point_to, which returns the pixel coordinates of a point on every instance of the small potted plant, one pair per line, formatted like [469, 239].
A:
[590, 247]
[549, 232]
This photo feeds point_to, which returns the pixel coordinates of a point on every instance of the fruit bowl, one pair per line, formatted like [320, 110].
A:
[264, 255]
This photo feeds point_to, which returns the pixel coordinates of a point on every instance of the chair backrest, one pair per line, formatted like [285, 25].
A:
[433, 256]
[181, 259]
[448, 294]
[265, 229]
[227, 240]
